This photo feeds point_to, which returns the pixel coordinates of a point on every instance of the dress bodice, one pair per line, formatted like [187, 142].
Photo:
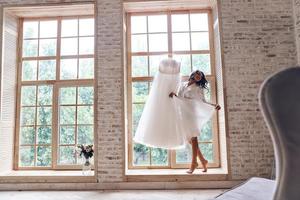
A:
[169, 66]
[191, 92]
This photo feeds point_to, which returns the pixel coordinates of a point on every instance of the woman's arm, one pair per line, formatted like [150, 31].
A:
[217, 106]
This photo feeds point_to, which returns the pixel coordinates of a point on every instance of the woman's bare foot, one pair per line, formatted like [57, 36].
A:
[204, 164]
[192, 168]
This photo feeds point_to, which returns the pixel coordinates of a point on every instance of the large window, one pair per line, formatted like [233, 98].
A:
[55, 109]
[187, 37]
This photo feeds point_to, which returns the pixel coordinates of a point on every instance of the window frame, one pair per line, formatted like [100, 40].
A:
[56, 85]
[130, 80]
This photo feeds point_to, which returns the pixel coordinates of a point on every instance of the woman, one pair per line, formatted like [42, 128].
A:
[194, 112]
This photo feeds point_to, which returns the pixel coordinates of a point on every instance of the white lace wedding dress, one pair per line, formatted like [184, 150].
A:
[171, 122]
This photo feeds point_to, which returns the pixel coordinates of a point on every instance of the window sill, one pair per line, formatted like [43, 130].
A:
[175, 174]
[46, 176]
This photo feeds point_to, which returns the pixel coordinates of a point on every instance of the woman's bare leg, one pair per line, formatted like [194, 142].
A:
[201, 158]
[194, 163]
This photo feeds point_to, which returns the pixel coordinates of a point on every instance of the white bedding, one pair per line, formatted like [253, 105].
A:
[253, 189]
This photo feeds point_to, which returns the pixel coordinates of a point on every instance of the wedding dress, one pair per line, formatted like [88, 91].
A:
[171, 122]
[193, 110]
[158, 125]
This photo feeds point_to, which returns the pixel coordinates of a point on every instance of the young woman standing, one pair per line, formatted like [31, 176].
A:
[195, 111]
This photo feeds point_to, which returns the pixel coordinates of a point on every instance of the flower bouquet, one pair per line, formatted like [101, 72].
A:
[87, 152]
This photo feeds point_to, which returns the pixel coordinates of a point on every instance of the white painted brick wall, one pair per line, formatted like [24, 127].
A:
[258, 39]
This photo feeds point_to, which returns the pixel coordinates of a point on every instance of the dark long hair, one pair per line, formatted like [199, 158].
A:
[203, 82]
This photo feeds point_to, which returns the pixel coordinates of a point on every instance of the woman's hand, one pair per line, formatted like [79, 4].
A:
[217, 107]
[172, 94]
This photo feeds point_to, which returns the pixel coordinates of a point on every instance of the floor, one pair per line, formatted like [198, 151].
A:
[112, 195]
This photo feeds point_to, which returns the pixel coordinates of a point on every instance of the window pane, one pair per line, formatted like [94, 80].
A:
[45, 95]
[185, 67]
[67, 96]
[30, 48]
[154, 63]
[68, 68]
[139, 43]
[137, 110]
[183, 156]
[207, 93]
[26, 158]
[181, 41]
[199, 22]
[159, 157]
[69, 27]
[66, 155]
[67, 135]
[139, 66]
[85, 135]
[157, 23]
[28, 97]
[206, 132]
[27, 116]
[138, 24]
[158, 42]
[86, 68]
[69, 46]
[67, 114]
[47, 69]
[29, 70]
[27, 135]
[44, 135]
[201, 62]
[44, 115]
[86, 45]
[207, 150]
[180, 22]
[44, 157]
[86, 27]
[141, 155]
[200, 41]
[47, 47]
[48, 29]
[85, 95]
[85, 115]
[139, 91]
[30, 29]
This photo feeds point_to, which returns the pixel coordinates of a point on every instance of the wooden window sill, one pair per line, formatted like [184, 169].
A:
[175, 174]
[46, 176]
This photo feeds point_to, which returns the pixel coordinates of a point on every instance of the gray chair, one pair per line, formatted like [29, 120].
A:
[279, 99]
[280, 104]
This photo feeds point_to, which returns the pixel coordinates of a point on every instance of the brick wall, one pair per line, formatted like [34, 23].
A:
[258, 39]
[110, 91]
[296, 11]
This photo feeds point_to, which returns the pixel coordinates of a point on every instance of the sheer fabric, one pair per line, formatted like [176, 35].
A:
[171, 122]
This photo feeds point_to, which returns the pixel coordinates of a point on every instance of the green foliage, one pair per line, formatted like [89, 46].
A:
[44, 156]
[201, 62]
[29, 70]
[159, 156]
[47, 69]
[44, 135]
[141, 155]
[26, 156]
[67, 135]
[140, 91]
[30, 48]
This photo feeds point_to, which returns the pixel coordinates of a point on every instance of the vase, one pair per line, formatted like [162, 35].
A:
[86, 167]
